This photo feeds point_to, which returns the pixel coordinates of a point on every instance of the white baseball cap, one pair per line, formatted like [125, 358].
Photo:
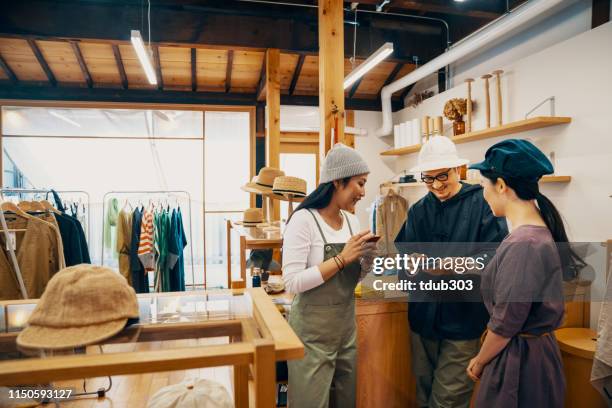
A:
[199, 393]
[439, 152]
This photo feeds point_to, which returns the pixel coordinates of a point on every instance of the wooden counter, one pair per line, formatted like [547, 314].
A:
[384, 375]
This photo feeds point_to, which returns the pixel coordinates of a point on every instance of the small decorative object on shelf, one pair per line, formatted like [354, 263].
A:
[487, 99]
[499, 96]
[469, 104]
[419, 97]
[454, 109]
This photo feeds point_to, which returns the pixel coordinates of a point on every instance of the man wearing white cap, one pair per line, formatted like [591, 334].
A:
[446, 331]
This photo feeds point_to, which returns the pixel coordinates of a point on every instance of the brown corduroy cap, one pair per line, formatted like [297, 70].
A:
[82, 304]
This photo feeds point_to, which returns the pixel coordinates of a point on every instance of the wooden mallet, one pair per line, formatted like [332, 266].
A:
[469, 104]
[499, 96]
[488, 99]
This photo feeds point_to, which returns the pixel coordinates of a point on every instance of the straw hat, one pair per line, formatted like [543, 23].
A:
[82, 305]
[286, 186]
[192, 393]
[252, 216]
[263, 182]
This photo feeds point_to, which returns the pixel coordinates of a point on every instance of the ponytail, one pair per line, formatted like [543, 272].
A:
[529, 190]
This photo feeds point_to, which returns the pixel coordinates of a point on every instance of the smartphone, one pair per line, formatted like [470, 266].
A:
[375, 238]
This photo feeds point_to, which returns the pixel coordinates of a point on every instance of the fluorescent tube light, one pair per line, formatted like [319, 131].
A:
[143, 56]
[373, 60]
[64, 118]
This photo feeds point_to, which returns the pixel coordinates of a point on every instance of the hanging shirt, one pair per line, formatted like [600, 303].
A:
[140, 279]
[465, 218]
[177, 241]
[146, 250]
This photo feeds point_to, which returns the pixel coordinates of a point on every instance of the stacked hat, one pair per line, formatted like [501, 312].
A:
[264, 181]
[252, 216]
[287, 187]
[81, 305]
[516, 158]
[192, 393]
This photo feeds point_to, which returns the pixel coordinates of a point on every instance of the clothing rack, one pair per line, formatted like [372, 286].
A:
[46, 192]
[159, 192]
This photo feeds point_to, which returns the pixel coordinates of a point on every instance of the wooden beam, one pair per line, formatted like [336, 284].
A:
[354, 88]
[228, 71]
[600, 13]
[158, 68]
[273, 104]
[296, 73]
[8, 71]
[393, 74]
[261, 87]
[120, 68]
[42, 62]
[82, 64]
[26, 92]
[331, 73]
[194, 73]
[349, 139]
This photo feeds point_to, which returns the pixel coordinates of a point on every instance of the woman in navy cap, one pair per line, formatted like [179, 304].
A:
[519, 363]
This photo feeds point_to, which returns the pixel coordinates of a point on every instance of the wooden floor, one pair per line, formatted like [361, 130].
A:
[134, 391]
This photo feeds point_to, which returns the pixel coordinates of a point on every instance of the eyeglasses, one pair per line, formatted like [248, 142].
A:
[430, 179]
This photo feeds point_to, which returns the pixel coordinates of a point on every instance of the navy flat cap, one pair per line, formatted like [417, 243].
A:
[516, 158]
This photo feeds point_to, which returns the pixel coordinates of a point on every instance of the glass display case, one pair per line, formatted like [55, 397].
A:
[250, 335]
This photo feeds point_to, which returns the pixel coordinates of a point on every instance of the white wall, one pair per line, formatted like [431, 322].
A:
[576, 72]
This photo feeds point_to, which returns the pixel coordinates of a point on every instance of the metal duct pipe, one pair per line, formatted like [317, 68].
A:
[497, 30]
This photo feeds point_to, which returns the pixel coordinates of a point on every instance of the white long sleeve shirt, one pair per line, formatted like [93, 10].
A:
[303, 248]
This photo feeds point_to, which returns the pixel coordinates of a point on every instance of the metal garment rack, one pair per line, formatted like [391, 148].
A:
[45, 191]
[115, 193]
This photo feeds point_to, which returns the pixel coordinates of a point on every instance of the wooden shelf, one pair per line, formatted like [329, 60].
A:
[507, 129]
[545, 179]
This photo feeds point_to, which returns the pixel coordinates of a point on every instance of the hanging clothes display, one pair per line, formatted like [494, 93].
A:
[601, 373]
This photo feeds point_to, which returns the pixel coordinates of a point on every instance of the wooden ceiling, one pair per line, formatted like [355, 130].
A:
[104, 65]
[212, 51]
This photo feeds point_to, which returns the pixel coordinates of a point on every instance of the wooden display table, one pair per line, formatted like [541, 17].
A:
[257, 334]
[260, 237]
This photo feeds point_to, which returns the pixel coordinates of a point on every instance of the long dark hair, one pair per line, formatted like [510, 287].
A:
[320, 197]
[529, 190]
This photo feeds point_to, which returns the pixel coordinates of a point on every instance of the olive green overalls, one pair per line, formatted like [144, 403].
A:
[324, 319]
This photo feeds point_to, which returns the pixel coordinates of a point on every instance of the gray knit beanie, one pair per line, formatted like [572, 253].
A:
[342, 161]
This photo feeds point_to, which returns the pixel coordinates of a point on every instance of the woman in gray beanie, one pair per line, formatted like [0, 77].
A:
[324, 257]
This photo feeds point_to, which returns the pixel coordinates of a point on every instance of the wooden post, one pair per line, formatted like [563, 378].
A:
[273, 128]
[331, 72]
[265, 373]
